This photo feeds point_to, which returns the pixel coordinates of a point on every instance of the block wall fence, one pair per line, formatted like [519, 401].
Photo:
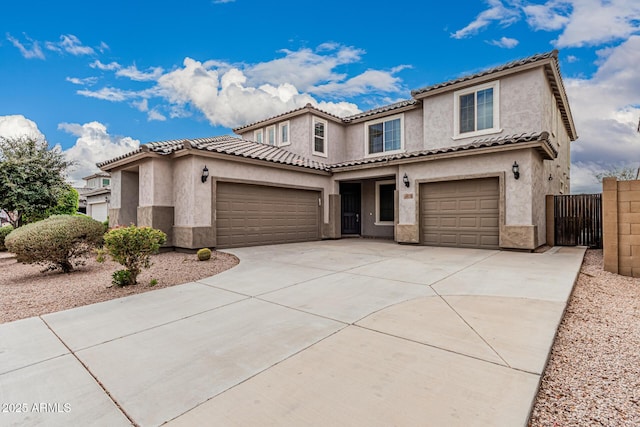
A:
[621, 226]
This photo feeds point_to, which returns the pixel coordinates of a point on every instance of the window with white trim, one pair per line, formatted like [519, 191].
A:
[271, 135]
[257, 136]
[384, 135]
[319, 137]
[476, 110]
[284, 133]
[385, 202]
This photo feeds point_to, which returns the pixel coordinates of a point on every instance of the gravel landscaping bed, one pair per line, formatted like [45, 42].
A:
[593, 375]
[26, 292]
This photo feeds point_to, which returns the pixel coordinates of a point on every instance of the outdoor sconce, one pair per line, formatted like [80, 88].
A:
[405, 179]
[550, 177]
[516, 170]
[106, 199]
[205, 174]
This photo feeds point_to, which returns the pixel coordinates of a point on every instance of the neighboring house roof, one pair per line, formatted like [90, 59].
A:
[97, 175]
[226, 145]
[542, 138]
[98, 191]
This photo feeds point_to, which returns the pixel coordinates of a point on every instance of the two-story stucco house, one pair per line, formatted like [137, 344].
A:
[464, 163]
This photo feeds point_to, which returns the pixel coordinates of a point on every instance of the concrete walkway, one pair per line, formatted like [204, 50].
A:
[350, 332]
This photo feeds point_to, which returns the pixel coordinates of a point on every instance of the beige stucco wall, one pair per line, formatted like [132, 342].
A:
[156, 182]
[520, 110]
[193, 199]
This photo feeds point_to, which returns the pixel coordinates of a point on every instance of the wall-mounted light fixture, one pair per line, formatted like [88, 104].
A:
[516, 170]
[405, 179]
[205, 175]
[550, 177]
[107, 199]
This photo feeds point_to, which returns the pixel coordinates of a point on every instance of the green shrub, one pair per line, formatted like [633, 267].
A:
[58, 242]
[132, 247]
[121, 278]
[4, 231]
[204, 254]
[153, 282]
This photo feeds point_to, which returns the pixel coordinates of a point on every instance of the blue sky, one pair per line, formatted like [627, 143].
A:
[100, 78]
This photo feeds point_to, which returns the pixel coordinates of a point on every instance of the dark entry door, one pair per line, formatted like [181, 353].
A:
[350, 194]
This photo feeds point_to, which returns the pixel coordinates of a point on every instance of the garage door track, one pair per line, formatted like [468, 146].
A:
[348, 332]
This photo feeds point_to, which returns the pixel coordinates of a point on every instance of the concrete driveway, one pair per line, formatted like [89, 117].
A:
[348, 332]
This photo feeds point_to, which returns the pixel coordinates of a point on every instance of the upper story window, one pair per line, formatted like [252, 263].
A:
[284, 133]
[257, 136]
[476, 110]
[271, 135]
[319, 137]
[105, 182]
[384, 135]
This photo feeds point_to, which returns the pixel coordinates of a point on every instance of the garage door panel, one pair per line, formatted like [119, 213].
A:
[256, 215]
[461, 213]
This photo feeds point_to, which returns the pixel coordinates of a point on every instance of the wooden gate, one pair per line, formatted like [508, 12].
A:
[578, 220]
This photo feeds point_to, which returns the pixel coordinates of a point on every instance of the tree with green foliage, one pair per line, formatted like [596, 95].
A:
[622, 174]
[68, 203]
[32, 177]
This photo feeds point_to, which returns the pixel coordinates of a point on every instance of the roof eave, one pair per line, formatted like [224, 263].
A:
[385, 113]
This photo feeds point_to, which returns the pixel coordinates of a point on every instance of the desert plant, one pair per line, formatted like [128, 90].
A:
[58, 242]
[204, 254]
[153, 282]
[4, 231]
[132, 247]
[121, 278]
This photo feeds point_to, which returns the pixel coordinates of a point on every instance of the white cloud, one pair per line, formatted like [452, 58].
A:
[593, 22]
[87, 81]
[505, 42]
[16, 126]
[133, 73]
[304, 68]
[226, 99]
[231, 95]
[109, 94]
[103, 47]
[606, 109]
[497, 12]
[27, 52]
[154, 115]
[223, 1]
[70, 44]
[105, 67]
[94, 144]
[550, 16]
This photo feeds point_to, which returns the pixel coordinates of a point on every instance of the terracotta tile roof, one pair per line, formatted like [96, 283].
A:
[507, 66]
[294, 112]
[227, 145]
[476, 144]
[384, 109]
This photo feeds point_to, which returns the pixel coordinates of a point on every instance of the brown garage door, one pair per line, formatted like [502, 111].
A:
[460, 213]
[249, 215]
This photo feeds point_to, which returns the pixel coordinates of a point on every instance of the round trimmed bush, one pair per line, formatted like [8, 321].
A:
[204, 254]
[58, 242]
[4, 232]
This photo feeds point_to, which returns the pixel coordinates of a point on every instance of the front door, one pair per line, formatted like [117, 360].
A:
[350, 195]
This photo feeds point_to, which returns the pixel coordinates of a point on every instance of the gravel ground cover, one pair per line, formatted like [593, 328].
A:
[26, 292]
[593, 375]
